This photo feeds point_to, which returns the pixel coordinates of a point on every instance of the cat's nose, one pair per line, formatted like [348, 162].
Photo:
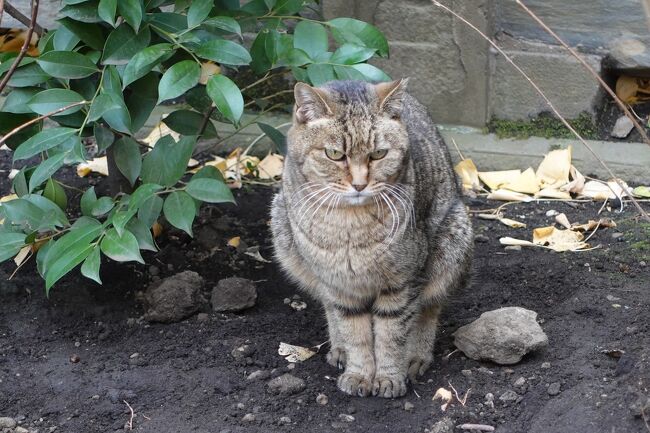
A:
[360, 187]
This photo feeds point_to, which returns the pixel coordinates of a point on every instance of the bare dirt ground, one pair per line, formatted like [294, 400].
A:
[183, 377]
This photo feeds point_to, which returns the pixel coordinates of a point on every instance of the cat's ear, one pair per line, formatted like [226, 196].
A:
[311, 103]
[391, 95]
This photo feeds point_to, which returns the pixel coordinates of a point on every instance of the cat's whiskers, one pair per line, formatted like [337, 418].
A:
[314, 199]
[303, 187]
[405, 201]
[395, 220]
[322, 201]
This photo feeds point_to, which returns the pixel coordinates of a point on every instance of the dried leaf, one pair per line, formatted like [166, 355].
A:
[192, 163]
[24, 253]
[468, 174]
[562, 220]
[591, 225]
[158, 131]
[156, 229]
[553, 192]
[295, 353]
[494, 179]
[270, 167]
[96, 165]
[526, 182]
[603, 191]
[208, 69]
[254, 252]
[554, 169]
[489, 216]
[626, 88]
[559, 240]
[512, 223]
[508, 241]
[577, 182]
[506, 195]
[234, 242]
[445, 396]
[8, 198]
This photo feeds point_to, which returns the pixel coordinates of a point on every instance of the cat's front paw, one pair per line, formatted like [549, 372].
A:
[336, 357]
[418, 366]
[355, 384]
[389, 386]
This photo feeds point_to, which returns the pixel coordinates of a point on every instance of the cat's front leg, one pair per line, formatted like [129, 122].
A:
[337, 354]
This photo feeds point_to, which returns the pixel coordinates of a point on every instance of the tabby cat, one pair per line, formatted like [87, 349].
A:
[370, 222]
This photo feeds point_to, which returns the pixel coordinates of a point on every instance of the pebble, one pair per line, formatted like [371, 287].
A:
[233, 295]
[6, 422]
[513, 248]
[153, 270]
[285, 385]
[408, 406]
[445, 425]
[622, 128]
[249, 417]
[554, 388]
[77, 344]
[481, 239]
[520, 382]
[616, 235]
[258, 375]
[21, 430]
[322, 399]
[75, 358]
[552, 213]
[203, 317]
[509, 396]
[466, 373]
[346, 418]
[242, 351]
[285, 420]
[134, 355]
[546, 365]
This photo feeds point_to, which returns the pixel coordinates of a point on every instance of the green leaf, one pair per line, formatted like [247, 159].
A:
[260, 62]
[29, 75]
[107, 10]
[276, 136]
[70, 250]
[54, 192]
[102, 104]
[142, 234]
[178, 79]
[127, 158]
[226, 96]
[123, 43]
[45, 170]
[142, 193]
[359, 33]
[371, 73]
[168, 22]
[44, 140]
[349, 54]
[120, 218]
[121, 248]
[19, 183]
[187, 122]
[66, 64]
[149, 210]
[289, 7]
[132, 11]
[311, 38]
[320, 73]
[22, 212]
[103, 136]
[224, 51]
[210, 191]
[180, 211]
[84, 12]
[53, 215]
[64, 39]
[144, 61]
[90, 266]
[199, 10]
[90, 34]
[50, 100]
[142, 100]
[209, 172]
[10, 244]
[17, 98]
[167, 162]
[227, 24]
[102, 206]
[347, 73]
[88, 200]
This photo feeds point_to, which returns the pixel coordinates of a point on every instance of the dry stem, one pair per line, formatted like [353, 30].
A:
[12, 11]
[24, 48]
[129, 423]
[591, 70]
[2, 8]
[480, 427]
[549, 103]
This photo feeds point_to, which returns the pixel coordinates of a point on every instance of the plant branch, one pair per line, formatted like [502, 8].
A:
[550, 105]
[281, 92]
[206, 120]
[12, 11]
[38, 119]
[591, 70]
[2, 8]
[24, 48]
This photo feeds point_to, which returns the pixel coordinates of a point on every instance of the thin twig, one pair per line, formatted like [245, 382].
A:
[462, 401]
[2, 8]
[458, 149]
[549, 103]
[479, 427]
[24, 48]
[206, 120]
[129, 423]
[591, 70]
[38, 119]
[12, 11]
[594, 232]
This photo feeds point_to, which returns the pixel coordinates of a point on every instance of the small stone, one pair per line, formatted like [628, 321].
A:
[95, 397]
[6, 422]
[242, 351]
[233, 295]
[617, 235]
[546, 365]
[503, 336]
[75, 358]
[408, 406]
[21, 430]
[489, 397]
[259, 375]
[481, 238]
[466, 373]
[353, 409]
[285, 420]
[509, 396]
[298, 305]
[554, 388]
[346, 418]
[249, 417]
[174, 299]
[643, 264]
[552, 213]
[623, 127]
[203, 317]
[513, 248]
[77, 344]
[612, 298]
[445, 425]
[134, 355]
[322, 399]
[291, 366]
[286, 301]
[154, 270]
[520, 382]
[285, 385]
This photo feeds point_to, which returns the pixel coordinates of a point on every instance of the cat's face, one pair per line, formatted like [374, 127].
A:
[348, 138]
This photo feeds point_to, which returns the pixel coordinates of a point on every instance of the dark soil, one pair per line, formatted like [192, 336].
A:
[184, 378]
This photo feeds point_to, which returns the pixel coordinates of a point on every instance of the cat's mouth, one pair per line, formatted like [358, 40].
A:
[357, 198]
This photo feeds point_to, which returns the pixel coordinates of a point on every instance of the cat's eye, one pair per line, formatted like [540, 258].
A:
[378, 154]
[334, 155]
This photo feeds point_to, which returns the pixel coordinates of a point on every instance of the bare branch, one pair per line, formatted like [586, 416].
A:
[38, 119]
[550, 105]
[25, 46]
[12, 11]
[591, 70]
[2, 8]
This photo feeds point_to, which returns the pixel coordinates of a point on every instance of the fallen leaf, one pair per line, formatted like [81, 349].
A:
[8, 198]
[507, 195]
[508, 241]
[445, 396]
[577, 182]
[591, 225]
[192, 163]
[598, 190]
[512, 223]
[208, 69]
[489, 216]
[641, 191]
[626, 88]
[526, 182]
[294, 353]
[270, 167]
[554, 169]
[614, 353]
[494, 179]
[159, 131]
[298, 305]
[96, 165]
[156, 229]
[468, 174]
[562, 220]
[552, 192]
[559, 240]
[24, 254]
[234, 242]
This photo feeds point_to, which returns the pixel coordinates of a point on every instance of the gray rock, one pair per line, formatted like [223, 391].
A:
[554, 388]
[408, 406]
[520, 382]
[346, 418]
[174, 299]
[6, 422]
[242, 352]
[509, 396]
[322, 399]
[503, 336]
[445, 425]
[285, 420]
[546, 365]
[622, 127]
[249, 417]
[233, 294]
[285, 385]
[259, 375]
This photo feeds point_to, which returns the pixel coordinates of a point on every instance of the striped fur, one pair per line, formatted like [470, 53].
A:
[381, 260]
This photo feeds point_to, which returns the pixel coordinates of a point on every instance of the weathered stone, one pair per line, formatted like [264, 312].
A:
[6, 422]
[622, 127]
[503, 336]
[554, 388]
[630, 55]
[174, 299]
[445, 425]
[285, 385]
[509, 396]
[233, 294]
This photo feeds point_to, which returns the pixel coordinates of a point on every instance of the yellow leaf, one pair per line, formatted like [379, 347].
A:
[270, 167]
[468, 174]
[559, 240]
[554, 169]
[562, 220]
[24, 254]
[445, 396]
[234, 242]
[512, 223]
[526, 182]
[208, 69]
[603, 190]
[96, 165]
[156, 229]
[641, 191]
[577, 182]
[552, 192]
[8, 198]
[295, 353]
[494, 179]
[159, 131]
[507, 195]
[626, 88]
